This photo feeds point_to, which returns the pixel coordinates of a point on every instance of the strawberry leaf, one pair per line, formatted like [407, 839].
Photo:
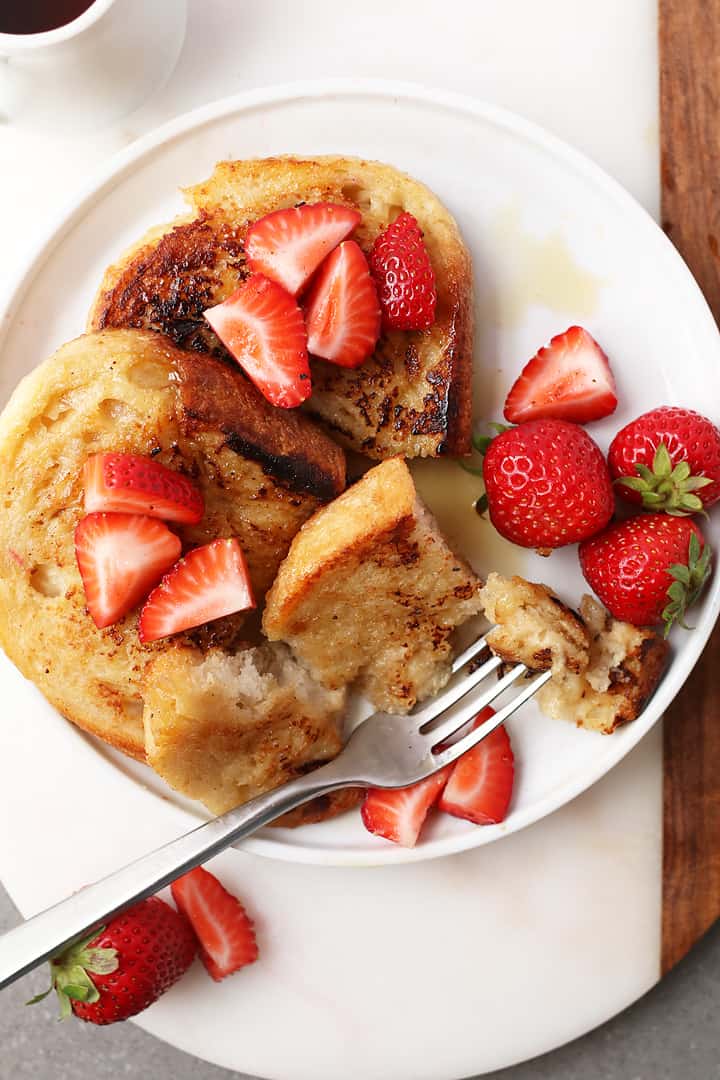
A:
[70, 971]
[665, 487]
[77, 993]
[688, 582]
[481, 443]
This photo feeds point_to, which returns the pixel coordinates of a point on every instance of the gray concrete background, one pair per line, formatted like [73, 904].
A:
[672, 1034]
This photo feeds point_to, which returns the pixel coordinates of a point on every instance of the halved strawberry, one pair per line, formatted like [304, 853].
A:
[399, 814]
[263, 328]
[403, 273]
[226, 934]
[133, 484]
[481, 782]
[287, 246]
[569, 379]
[211, 581]
[342, 313]
[120, 558]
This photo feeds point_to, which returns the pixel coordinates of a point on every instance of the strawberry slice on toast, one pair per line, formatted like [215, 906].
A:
[262, 326]
[121, 557]
[403, 273]
[211, 581]
[134, 484]
[287, 246]
[569, 379]
[226, 934]
[342, 313]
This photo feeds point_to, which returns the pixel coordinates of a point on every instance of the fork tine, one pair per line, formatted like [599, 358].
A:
[457, 718]
[452, 753]
[454, 692]
[469, 654]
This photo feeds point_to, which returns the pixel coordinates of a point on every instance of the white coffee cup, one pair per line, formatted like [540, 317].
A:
[95, 69]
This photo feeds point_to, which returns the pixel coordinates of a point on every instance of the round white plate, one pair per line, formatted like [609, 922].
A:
[353, 961]
[554, 242]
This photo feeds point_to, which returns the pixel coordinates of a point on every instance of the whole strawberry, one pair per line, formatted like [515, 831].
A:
[404, 276]
[547, 484]
[648, 569]
[668, 459]
[125, 966]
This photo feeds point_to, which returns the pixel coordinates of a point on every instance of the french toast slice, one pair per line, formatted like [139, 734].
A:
[223, 729]
[262, 474]
[603, 670]
[413, 396]
[371, 593]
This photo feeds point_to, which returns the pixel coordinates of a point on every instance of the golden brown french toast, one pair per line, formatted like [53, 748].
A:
[371, 592]
[262, 473]
[223, 728]
[412, 397]
[604, 670]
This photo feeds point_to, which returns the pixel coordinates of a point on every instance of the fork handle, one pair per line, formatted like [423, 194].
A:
[53, 930]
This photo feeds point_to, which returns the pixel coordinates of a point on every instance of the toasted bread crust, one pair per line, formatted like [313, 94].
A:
[288, 448]
[413, 396]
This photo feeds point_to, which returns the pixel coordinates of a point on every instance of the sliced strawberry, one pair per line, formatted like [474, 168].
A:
[263, 328]
[481, 782]
[120, 558]
[287, 246]
[569, 379]
[211, 581]
[342, 313]
[133, 484]
[225, 933]
[403, 273]
[399, 814]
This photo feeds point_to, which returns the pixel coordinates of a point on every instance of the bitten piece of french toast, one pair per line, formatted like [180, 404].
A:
[625, 665]
[413, 395]
[370, 591]
[261, 473]
[533, 627]
[223, 729]
[603, 670]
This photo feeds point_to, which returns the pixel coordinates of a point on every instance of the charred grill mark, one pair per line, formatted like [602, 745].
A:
[384, 411]
[295, 472]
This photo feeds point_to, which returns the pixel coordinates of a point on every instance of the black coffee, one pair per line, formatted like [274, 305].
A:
[36, 16]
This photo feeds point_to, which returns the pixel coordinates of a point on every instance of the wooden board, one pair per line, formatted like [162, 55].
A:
[689, 40]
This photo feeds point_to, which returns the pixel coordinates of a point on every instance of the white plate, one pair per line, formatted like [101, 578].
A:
[554, 241]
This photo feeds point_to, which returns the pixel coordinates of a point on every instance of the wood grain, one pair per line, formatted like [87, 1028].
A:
[689, 41]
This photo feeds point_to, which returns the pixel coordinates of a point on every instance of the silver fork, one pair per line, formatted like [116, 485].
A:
[383, 751]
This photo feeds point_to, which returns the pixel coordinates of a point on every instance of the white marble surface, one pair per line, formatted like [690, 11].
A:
[588, 73]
